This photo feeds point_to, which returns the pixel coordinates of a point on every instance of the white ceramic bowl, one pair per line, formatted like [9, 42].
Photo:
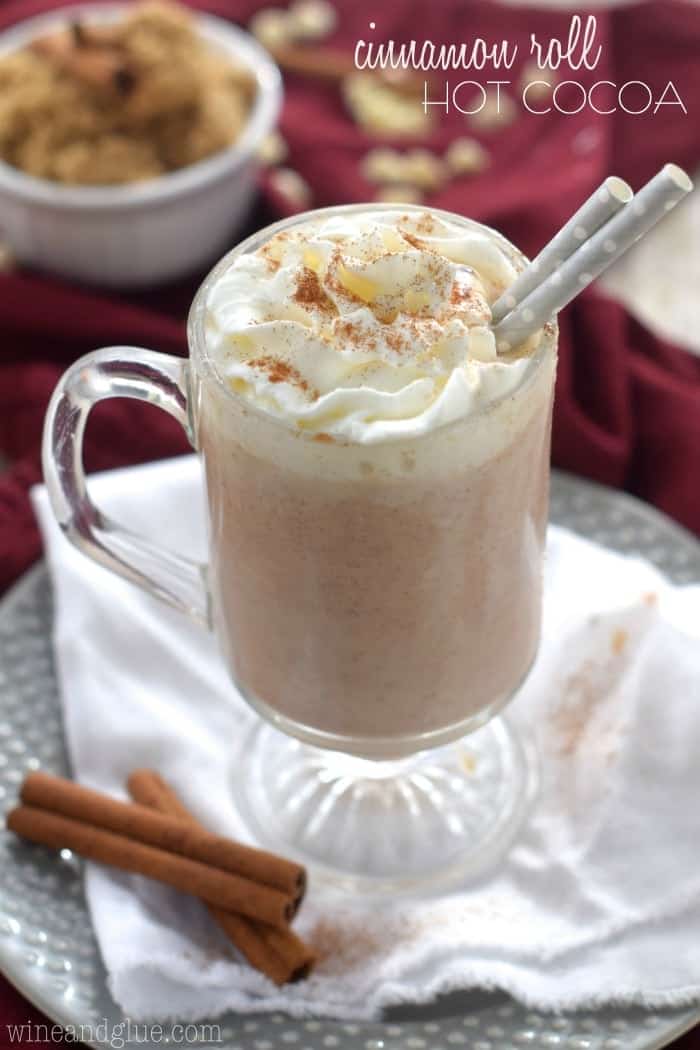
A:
[148, 232]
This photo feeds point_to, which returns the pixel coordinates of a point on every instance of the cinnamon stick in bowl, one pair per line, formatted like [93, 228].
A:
[102, 67]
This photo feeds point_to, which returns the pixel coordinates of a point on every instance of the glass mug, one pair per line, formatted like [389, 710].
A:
[373, 603]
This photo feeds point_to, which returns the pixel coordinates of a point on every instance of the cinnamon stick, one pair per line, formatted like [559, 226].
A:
[333, 65]
[278, 953]
[217, 887]
[98, 34]
[171, 833]
[298, 957]
[102, 67]
[148, 788]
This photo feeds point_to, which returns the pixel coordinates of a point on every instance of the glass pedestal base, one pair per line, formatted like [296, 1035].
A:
[419, 823]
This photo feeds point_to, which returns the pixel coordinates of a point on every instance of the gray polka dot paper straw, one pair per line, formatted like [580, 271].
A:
[593, 256]
[606, 201]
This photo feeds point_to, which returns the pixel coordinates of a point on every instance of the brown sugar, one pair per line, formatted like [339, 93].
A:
[103, 104]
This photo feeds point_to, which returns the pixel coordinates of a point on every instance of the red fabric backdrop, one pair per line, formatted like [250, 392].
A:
[628, 404]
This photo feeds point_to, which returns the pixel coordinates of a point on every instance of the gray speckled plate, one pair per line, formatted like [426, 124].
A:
[47, 947]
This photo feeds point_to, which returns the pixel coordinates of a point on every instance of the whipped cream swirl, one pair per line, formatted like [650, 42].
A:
[366, 326]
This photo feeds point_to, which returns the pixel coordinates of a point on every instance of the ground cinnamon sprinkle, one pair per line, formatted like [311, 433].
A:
[395, 341]
[425, 223]
[310, 293]
[460, 296]
[281, 372]
[354, 335]
[618, 641]
[326, 439]
[415, 242]
[268, 250]
[339, 949]
[582, 719]
[574, 716]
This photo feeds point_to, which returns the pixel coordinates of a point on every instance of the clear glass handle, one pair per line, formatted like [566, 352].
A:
[118, 371]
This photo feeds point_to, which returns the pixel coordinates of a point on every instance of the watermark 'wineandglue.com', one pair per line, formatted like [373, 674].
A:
[580, 50]
[118, 1035]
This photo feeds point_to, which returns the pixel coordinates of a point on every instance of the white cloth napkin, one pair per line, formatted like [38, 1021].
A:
[597, 901]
